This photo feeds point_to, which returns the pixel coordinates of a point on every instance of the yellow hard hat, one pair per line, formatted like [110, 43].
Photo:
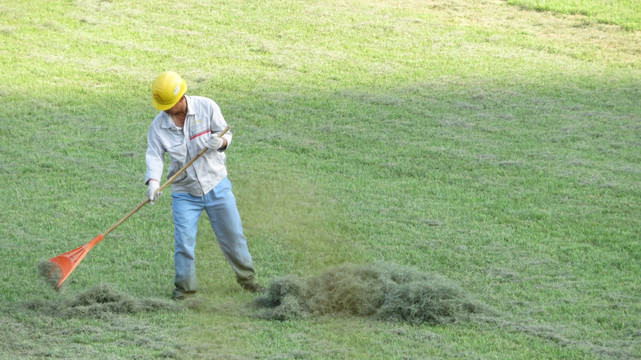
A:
[167, 90]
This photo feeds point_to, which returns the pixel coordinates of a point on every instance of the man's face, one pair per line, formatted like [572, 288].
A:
[178, 108]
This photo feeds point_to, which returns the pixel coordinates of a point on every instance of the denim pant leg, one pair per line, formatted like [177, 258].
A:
[187, 210]
[220, 205]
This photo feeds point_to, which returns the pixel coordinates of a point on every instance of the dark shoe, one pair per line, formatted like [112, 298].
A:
[254, 287]
[179, 295]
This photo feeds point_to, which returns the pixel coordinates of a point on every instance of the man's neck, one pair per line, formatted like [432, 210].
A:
[179, 116]
[179, 119]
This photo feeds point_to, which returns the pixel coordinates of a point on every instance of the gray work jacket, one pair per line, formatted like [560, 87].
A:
[203, 120]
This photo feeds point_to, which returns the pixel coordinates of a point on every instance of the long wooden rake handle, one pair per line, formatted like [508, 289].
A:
[167, 183]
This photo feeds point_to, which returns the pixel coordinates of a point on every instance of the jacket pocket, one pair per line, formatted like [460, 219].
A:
[178, 157]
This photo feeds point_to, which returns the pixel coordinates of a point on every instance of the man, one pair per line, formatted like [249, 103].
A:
[184, 126]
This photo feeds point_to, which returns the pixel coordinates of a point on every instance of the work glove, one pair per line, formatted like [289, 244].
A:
[151, 191]
[214, 142]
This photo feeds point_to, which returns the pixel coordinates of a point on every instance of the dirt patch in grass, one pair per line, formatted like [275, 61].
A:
[382, 291]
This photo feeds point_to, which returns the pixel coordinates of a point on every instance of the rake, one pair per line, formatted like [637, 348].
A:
[63, 265]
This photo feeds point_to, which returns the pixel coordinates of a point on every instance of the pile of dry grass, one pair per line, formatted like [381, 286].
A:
[99, 302]
[380, 290]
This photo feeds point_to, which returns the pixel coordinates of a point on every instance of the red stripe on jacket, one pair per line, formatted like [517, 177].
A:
[197, 135]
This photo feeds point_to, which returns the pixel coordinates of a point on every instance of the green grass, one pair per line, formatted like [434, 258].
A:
[626, 13]
[496, 146]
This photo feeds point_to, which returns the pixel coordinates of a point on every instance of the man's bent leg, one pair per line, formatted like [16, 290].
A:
[225, 221]
[187, 210]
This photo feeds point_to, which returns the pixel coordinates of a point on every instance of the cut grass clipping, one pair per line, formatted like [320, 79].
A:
[50, 272]
[382, 291]
[99, 302]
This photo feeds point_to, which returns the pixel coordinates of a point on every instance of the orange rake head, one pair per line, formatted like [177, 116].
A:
[61, 266]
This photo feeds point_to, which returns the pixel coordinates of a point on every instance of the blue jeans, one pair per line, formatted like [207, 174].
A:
[220, 205]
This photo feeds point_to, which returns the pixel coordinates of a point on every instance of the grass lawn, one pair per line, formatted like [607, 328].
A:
[626, 13]
[484, 142]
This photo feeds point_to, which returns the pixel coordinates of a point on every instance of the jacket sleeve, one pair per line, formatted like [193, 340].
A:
[154, 156]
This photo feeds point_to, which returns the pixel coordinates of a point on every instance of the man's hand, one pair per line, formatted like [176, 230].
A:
[214, 142]
[151, 191]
